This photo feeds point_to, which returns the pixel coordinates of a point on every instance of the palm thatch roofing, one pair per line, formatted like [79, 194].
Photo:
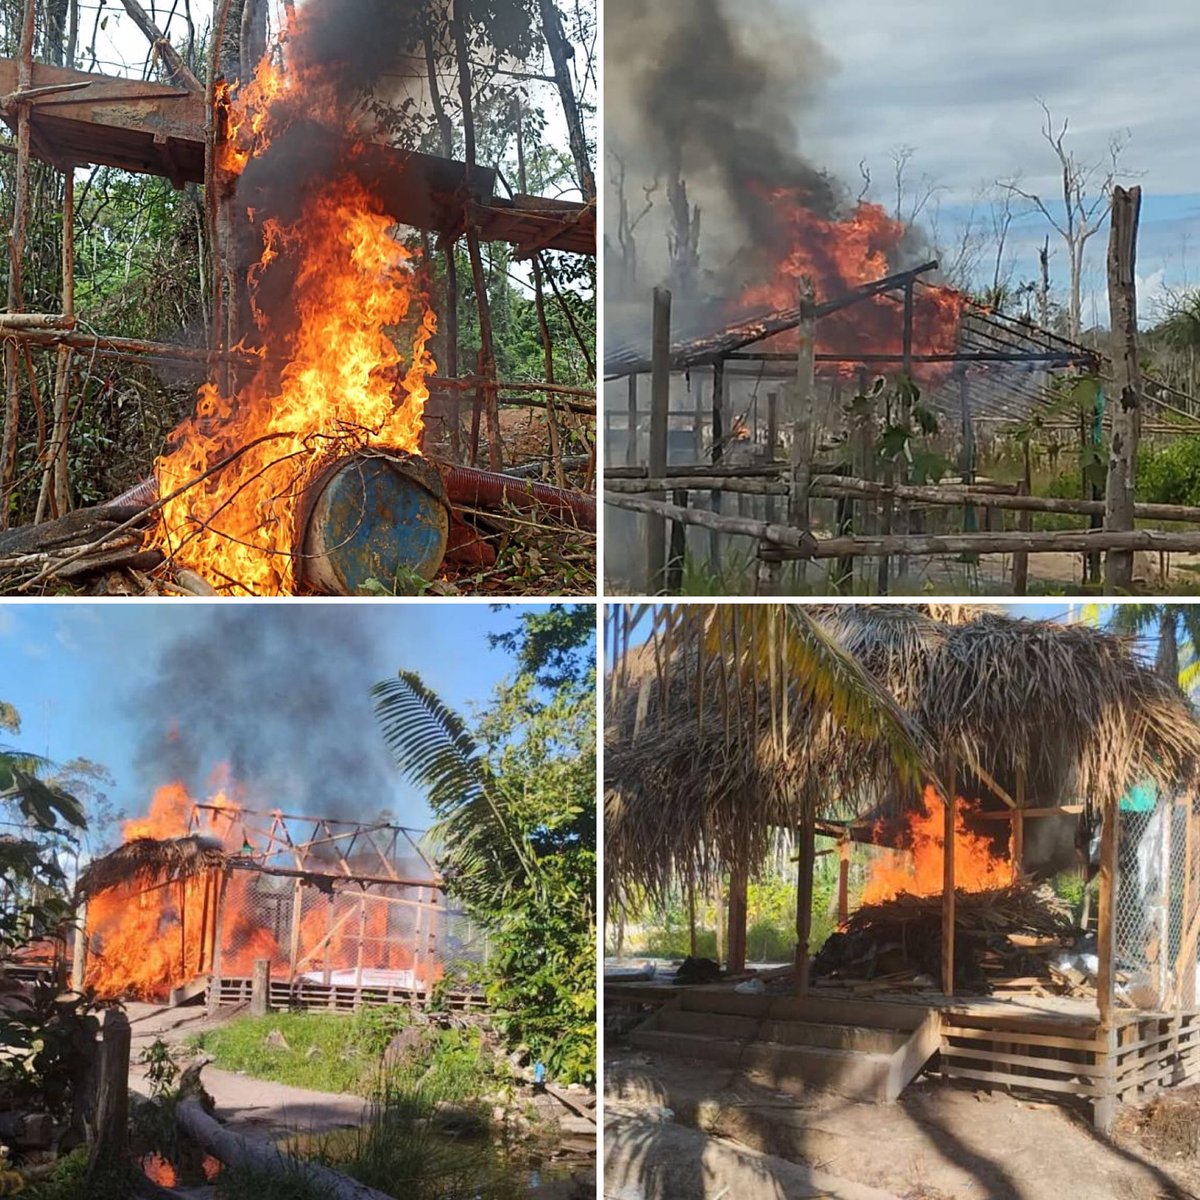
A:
[146, 862]
[705, 762]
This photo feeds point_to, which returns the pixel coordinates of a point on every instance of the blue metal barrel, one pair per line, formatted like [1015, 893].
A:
[375, 515]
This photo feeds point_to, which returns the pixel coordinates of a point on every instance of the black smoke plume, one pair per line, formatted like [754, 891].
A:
[282, 694]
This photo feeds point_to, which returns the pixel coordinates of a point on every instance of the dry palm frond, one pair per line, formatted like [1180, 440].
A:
[145, 862]
[735, 719]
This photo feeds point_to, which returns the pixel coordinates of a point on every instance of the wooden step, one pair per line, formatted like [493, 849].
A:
[793, 1069]
[791, 1033]
[766, 1037]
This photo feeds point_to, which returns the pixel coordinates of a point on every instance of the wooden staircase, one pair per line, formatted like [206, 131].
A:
[859, 1049]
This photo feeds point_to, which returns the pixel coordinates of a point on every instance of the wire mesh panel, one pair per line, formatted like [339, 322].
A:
[357, 935]
[1158, 868]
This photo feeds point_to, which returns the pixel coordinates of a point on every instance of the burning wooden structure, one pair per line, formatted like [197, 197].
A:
[211, 899]
[1043, 740]
[290, 396]
[777, 413]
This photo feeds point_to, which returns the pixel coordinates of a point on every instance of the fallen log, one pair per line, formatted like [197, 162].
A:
[67, 533]
[236, 1151]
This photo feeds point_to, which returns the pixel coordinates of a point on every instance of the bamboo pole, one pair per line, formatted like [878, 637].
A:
[718, 451]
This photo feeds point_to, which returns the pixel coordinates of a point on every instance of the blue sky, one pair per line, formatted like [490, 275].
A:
[80, 675]
[960, 84]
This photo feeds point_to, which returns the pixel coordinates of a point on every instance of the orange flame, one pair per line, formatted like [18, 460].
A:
[331, 377]
[919, 872]
[145, 941]
[838, 255]
[158, 1170]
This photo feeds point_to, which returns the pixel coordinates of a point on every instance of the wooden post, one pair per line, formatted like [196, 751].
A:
[1104, 1108]
[297, 924]
[843, 880]
[1167, 819]
[660, 401]
[906, 366]
[738, 881]
[1016, 844]
[718, 450]
[767, 581]
[804, 414]
[112, 1105]
[948, 897]
[631, 422]
[260, 988]
[1127, 383]
[1187, 956]
[16, 258]
[327, 958]
[804, 897]
[79, 947]
[691, 895]
[362, 938]
[1106, 908]
[214, 988]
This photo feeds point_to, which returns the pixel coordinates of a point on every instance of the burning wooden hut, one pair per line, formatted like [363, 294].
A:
[715, 743]
[210, 899]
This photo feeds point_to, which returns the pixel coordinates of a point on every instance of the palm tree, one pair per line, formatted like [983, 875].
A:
[41, 803]
[783, 649]
[1177, 626]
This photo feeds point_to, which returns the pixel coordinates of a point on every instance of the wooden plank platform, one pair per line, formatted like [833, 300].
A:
[235, 990]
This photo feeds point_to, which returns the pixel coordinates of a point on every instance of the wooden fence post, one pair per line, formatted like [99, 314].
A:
[1127, 384]
[804, 897]
[260, 988]
[79, 948]
[112, 1104]
[660, 403]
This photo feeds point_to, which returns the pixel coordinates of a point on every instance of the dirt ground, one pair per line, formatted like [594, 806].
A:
[256, 1107]
[938, 1142]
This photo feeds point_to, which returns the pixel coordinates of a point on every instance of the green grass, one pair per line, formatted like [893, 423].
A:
[328, 1052]
[333, 1052]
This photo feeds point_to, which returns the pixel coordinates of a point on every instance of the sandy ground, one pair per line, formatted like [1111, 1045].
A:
[937, 1142]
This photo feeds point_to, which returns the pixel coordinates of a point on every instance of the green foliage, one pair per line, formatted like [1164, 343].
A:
[516, 833]
[1170, 473]
[161, 1068]
[71, 1180]
[555, 645]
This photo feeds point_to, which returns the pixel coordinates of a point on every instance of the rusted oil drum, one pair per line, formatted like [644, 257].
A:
[379, 515]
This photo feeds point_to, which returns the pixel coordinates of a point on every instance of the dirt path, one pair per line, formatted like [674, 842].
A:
[257, 1107]
[936, 1143]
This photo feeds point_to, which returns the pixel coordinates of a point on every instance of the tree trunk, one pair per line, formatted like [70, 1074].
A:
[1126, 417]
[560, 51]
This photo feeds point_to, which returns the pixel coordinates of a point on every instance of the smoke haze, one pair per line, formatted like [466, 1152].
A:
[282, 694]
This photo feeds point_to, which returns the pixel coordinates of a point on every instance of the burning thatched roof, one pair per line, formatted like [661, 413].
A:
[145, 862]
[706, 776]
